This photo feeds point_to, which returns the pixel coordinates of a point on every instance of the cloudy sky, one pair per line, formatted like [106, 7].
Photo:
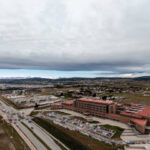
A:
[64, 38]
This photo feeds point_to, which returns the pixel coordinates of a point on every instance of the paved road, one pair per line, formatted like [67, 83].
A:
[38, 131]
[31, 137]
[27, 141]
[27, 133]
[33, 140]
[46, 138]
[31, 146]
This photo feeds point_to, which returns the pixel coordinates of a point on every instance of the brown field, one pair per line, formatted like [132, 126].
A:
[5, 141]
[48, 91]
[9, 139]
[135, 98]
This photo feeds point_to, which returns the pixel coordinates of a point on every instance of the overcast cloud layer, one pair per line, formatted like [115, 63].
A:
[106, 35]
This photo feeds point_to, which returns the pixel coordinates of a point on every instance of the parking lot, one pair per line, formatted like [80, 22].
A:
[90, 129]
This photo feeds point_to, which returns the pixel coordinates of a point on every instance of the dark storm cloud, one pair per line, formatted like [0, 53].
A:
[75, 35]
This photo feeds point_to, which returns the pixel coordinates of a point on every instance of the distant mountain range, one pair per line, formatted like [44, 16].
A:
[143, 78]
[38, 79]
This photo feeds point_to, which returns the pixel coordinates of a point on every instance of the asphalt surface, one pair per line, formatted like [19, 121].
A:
[31, 137]
[5, 117]
[14, 115]
[45, 137]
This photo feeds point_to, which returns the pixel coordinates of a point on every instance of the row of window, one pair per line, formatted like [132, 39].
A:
[92, 107]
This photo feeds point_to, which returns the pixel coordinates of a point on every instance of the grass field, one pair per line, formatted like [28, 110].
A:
[33, 113]
[42, 107]
[117, 129]
[85, 120]
[74, 140]
[60, 112]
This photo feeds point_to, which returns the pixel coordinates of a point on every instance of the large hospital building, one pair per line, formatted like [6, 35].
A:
[135, 115]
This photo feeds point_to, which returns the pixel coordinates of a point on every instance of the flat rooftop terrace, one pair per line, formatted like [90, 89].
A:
[95, 101]
[141, 112]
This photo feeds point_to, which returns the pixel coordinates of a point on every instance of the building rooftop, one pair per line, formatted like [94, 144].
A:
[69, 102]
[145, 112]
[129, 114]
[141, 112]
[141, 122]
[95, 101]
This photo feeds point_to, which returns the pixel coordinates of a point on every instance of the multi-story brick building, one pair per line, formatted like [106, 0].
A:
[137, 116]
[94, 107]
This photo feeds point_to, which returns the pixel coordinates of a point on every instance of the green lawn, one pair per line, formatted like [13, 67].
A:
[33, 113]
[60, 112]
[85, 120]
[115, 128]
[93, 122]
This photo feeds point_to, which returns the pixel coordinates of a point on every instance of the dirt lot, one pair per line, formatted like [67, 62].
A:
[135, 98]
[9, 138]
[49, 91]
[5, 141]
